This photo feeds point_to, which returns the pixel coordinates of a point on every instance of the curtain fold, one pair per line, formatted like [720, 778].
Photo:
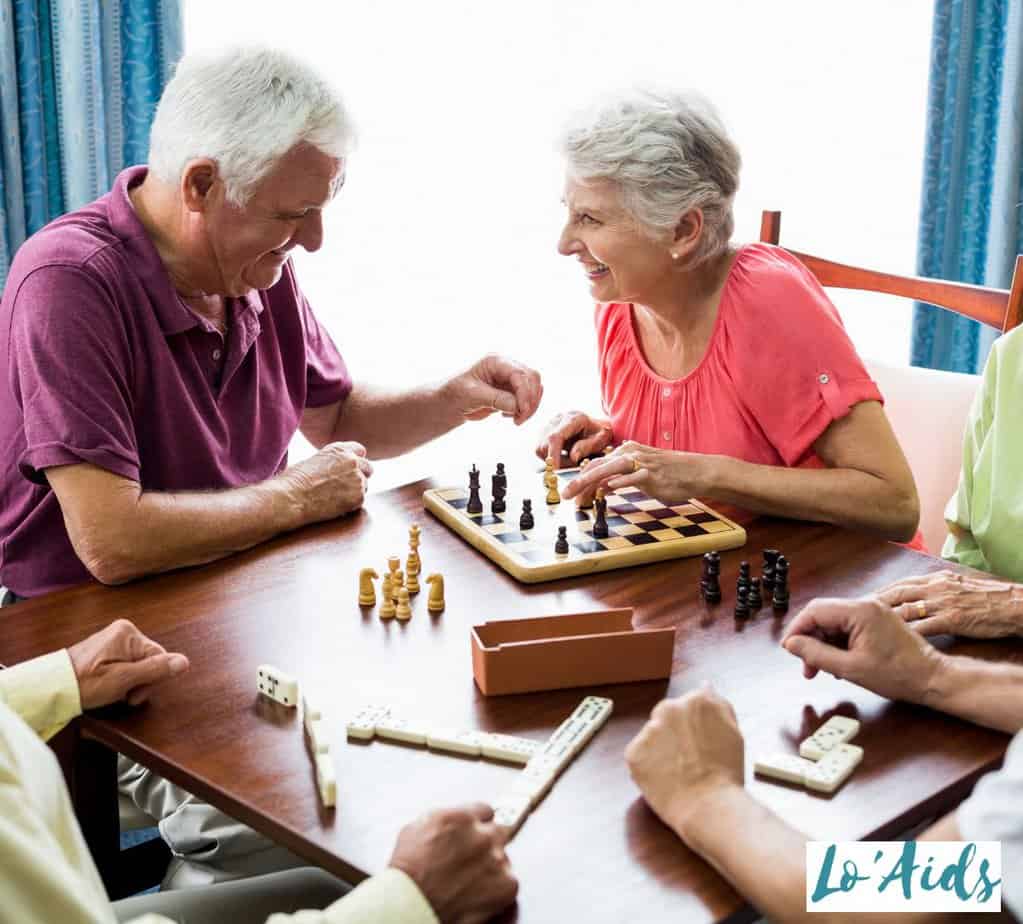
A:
[79, 84]
[970, 217]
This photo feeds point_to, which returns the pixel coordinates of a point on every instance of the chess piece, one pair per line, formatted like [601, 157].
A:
[367, 592]
[742, 610]
[412, 582]
[413, 563]
[742, 582]
[498, 491]
[393, 564]
[475, 505]
[435, 604]
[780, 595]
[386, 599]
[561, 545]
[502, 477]
[550, 481]
[403, 611]
[767, 571]
[600, 517]
[526, 519]
[397, 583]
[584, 503]
[710, 586]
[753, 595]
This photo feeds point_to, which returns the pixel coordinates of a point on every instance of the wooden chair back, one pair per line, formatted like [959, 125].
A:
[999, 308]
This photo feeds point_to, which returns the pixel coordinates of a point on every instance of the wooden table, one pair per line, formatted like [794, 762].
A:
[592, 848]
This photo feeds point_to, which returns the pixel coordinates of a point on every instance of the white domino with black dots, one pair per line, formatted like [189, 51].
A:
[837, 730]
[826, 758]
[279, 686]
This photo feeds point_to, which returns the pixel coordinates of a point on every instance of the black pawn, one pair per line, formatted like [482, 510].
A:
[770, 560]
[600, 518]
[753, 595]
[743, 581]
[710, 586]
[526, 519]
[742, 610]
[475, 505]
[561, 546]
[780, 595]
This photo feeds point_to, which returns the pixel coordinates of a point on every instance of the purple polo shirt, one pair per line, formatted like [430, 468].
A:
[106, 365]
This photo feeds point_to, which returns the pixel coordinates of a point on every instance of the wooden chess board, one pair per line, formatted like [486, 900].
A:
[641, 529]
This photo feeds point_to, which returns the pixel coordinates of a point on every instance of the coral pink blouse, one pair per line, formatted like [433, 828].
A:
[778, 370]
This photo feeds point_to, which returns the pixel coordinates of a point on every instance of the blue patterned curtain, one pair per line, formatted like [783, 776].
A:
[971, 221]
[79, 83]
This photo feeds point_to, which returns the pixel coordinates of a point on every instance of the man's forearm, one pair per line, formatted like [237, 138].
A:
[390, 423]
[164, 531]
[985, 692]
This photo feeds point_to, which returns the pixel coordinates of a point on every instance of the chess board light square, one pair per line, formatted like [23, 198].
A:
[451, 494]
[649, 504]
[677, 521]
[686, 509]
[628, 530]
[617, 542]
[715, 526]
[638, 517]
[663, 535]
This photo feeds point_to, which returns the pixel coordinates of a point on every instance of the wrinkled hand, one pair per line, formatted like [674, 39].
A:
[866, 642]
[689, 747]
[671, 477]
[457, 858]
[330, 483]
[496, 384]
[947, 602]
[119, 662]
[576, 432]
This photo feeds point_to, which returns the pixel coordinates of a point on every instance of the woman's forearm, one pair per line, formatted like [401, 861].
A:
[843, 496]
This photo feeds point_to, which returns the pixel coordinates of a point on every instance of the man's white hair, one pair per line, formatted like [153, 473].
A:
[244, 108]
[668, 152]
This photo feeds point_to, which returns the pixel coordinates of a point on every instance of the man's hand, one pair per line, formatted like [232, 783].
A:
[496, 384]
[330, 483]
[576, 432]
[119, 662]
[690, 747]
[457, 858]
[951, 603]
[866, 642]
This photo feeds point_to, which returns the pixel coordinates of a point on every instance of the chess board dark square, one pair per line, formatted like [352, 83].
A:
[640, 539]
[653, 526]
[588, 548]
[627, 508]
[581, 515]
[459, 503]
[485, 519]
[700, 517]
[662, 513]
[510, 538]
[690, 531]
[617, 521]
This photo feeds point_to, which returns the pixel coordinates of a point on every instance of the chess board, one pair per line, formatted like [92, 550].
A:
[641, 529]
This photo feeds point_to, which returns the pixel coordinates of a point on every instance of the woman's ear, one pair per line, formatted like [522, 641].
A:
[687, 234]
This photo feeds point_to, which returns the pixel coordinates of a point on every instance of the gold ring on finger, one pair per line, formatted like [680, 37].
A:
[635, 464]
[921, 609]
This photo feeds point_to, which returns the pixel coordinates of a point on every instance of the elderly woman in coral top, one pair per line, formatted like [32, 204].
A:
[725, 371]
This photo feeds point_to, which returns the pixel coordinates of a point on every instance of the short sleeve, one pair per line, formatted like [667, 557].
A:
[69, 369]
[961, 545]
[796, 367]
[327, 378]
[994, 812]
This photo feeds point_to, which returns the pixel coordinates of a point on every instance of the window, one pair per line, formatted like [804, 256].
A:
[441, 246]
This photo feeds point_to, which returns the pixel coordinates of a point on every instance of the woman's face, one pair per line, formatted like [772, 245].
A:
[621, 263]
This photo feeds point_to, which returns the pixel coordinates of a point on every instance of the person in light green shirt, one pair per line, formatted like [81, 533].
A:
[984, 516]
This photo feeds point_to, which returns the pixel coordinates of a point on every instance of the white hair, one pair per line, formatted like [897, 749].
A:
[244, 108]
[668, 153]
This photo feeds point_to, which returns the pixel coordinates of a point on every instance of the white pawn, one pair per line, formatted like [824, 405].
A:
[387, 601]
[404, 611]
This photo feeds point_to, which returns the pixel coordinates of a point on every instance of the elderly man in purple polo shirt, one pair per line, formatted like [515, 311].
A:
[161, 356]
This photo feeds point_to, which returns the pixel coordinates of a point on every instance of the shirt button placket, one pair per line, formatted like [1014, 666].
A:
[668, 414]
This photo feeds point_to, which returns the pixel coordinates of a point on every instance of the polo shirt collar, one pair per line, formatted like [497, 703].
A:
[173, 316]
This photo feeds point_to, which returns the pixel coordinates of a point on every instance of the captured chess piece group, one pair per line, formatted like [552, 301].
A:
[398, 586]
[749, 597]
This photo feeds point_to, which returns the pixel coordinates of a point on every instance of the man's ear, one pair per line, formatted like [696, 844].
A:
[198, 181]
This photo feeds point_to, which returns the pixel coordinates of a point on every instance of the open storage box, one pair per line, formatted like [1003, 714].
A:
[571, 650]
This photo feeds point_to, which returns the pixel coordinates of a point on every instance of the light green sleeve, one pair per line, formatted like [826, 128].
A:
[961, 545]
[389, 896]
[43, 691]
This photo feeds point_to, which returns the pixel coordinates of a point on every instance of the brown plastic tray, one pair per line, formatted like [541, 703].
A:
[570, 650]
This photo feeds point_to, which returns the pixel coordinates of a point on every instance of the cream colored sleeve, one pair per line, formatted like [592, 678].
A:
[43, 691]
[389, 896]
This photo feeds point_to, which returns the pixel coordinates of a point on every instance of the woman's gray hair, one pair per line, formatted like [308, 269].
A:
[244, 108]
[668, 152]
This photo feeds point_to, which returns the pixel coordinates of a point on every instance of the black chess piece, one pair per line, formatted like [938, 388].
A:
[475, 505]
[502, 477]
[710, 586]
[780, 595]
[767, 571]
[498, 490]
[561, 546]
[742, 609]
[526, 519]
[753, 595]
[600, 517]
[743, 581]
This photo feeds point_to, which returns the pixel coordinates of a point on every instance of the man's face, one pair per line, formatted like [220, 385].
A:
[249, 245]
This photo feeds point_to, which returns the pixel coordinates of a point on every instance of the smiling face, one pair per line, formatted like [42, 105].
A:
[621, 262]
[246, 247]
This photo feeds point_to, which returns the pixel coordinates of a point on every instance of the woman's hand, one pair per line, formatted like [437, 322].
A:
[577, 432]
[951, 603]
[671, 477]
